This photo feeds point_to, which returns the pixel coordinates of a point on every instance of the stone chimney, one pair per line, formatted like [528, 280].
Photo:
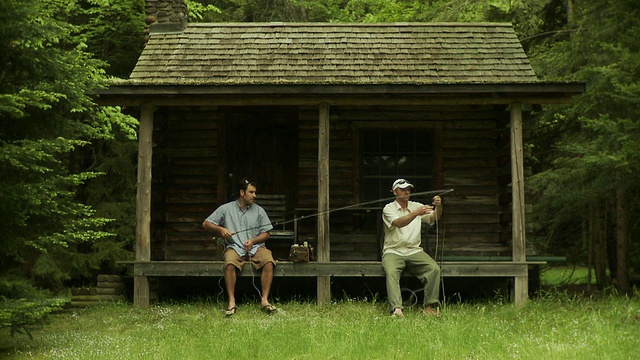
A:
[165, 16]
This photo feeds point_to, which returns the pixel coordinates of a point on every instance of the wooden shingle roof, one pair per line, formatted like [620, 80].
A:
[339, 54]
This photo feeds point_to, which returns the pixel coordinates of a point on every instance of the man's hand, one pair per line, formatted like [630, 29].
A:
[437, 205]
[225, 233]
[437, 201]
[248, 245]
[422, 210]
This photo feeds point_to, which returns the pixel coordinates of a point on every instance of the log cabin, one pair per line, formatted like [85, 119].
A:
[325, 116]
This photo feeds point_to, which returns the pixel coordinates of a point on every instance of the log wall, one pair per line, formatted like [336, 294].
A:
[470, 158]
[184, 184]
[191, 160]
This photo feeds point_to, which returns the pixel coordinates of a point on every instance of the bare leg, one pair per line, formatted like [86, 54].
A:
[230, 280]
[265, 280]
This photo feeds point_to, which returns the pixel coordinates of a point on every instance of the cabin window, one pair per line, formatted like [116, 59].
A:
[388, 154]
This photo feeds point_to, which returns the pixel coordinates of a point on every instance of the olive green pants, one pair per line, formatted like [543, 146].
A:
[419, 264]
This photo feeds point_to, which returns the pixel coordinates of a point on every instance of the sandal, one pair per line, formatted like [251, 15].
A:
[231, 311]
[269, 309]
[430, 311]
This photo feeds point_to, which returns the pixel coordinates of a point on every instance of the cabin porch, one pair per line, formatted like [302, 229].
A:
[502, 269]
[489, 268]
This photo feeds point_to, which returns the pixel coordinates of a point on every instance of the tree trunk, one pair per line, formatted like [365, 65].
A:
[599, 249]
[610, 239]
[570, 19]
[586, 237]
[622, 243]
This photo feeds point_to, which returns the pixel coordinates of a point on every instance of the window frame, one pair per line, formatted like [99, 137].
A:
[436, 132]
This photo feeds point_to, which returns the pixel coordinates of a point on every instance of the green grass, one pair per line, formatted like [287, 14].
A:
[566, 275]
[554, 326]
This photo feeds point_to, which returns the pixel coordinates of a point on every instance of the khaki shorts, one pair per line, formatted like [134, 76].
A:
[260, 259]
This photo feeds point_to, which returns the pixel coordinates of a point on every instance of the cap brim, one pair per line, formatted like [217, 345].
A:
[404, 186]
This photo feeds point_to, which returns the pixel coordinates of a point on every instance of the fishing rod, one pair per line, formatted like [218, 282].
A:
[418, 194]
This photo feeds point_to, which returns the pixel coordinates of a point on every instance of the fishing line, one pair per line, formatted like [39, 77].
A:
[419, 194]
[252, 279]
[253, 276]
[441, 256]
[412, 298]
[220, 286]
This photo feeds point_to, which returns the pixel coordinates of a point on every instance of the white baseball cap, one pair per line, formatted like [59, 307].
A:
[401, 183]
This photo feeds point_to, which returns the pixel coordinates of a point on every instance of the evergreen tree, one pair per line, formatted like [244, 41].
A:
[47, 115]
[595, 159]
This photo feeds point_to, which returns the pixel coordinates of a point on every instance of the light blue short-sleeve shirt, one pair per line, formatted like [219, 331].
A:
[244, 225]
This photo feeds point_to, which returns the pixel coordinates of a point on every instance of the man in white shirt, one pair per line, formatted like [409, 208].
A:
[402, 223]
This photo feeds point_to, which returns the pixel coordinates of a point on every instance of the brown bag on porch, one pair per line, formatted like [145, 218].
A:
[301, 253]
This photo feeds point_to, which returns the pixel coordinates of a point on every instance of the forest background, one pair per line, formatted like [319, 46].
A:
[68, 166]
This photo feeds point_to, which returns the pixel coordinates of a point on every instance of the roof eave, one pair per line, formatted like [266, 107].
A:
[301, 94]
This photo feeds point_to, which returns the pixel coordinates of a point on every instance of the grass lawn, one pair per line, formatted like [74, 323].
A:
[553, 326]
[566, 275]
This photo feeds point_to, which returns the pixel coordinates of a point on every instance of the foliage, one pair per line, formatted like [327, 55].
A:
[23, 307]
[47, 116]
[112, 196]
[591, 144]
[372, 11]
[523, 13]
[198, 11]
[113, 31]
[259, 10]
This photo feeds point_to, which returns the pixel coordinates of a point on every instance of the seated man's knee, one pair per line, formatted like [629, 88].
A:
[230, 268]
[393, 274]
[268, 267]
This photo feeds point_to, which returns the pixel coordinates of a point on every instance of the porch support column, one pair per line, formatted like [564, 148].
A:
[521, 286]
[324, 282]
[143, 204]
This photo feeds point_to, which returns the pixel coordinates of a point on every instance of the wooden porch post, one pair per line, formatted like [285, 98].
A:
[143, 204]
[324, 282]
[521, 286]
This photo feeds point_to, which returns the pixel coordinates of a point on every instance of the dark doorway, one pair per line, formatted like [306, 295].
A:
[261, 143]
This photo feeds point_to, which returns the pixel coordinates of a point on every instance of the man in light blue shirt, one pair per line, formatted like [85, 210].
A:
[402, 223]
[245, 227]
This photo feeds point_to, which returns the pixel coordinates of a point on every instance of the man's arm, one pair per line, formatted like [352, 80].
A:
[433, 213]
[405, 220]
[217, 230]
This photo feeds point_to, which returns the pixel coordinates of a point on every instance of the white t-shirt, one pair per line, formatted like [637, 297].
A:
[406, 240]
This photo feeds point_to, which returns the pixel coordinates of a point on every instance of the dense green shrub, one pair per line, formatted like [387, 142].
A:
[24, 307]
